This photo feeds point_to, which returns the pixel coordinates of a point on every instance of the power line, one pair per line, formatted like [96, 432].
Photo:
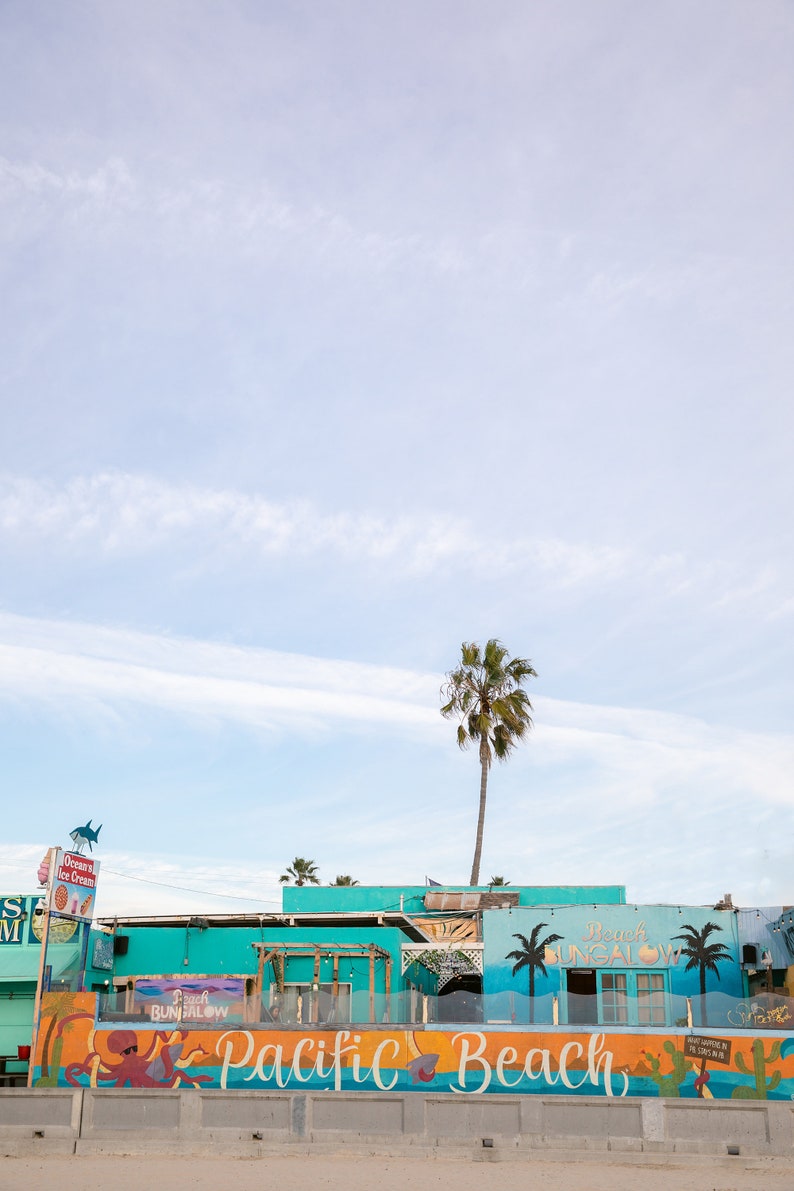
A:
[188, 889]
[166, 885]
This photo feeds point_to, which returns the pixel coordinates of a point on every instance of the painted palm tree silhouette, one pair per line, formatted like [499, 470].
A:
[702, 955]
[531, 955]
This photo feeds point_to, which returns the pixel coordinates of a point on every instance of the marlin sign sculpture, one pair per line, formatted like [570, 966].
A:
[81, 836]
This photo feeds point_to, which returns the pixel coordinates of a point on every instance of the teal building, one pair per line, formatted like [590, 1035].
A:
[20, 960]
[523, 956]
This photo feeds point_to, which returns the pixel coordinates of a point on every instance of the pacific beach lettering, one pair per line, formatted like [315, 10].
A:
[281, 1075]
[313, 1058]
[537, 1066]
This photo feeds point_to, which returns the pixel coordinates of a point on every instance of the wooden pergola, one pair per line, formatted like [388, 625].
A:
[278, 953]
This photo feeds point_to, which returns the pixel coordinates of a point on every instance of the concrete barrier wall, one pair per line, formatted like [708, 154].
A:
[137, 1121]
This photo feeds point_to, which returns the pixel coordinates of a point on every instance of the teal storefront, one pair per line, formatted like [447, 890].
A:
[20, 958]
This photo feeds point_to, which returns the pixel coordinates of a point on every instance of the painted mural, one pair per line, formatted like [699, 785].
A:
[624, 968]
[74, 1051]
[201, 999]
[770, 931]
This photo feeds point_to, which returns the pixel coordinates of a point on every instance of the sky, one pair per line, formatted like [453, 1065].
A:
[335, 335]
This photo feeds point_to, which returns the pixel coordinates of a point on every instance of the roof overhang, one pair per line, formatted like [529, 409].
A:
[364, 920]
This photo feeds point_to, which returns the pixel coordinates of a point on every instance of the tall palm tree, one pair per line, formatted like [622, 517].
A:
[703, 955]
[302, 872]
[531, 955]
[345, 880]
[486, 694]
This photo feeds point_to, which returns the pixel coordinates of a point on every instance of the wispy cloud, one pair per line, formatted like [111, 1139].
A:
[200, 214]
[636, 757]
[120, 514]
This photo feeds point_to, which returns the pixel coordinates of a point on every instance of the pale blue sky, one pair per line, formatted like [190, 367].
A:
[337, 333]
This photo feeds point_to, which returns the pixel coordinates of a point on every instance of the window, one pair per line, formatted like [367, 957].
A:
[614, 1005]
[651, 1009]
[625, 998]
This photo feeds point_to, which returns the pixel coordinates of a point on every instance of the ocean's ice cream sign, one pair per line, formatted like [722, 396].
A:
[603, 946]
[73, 886]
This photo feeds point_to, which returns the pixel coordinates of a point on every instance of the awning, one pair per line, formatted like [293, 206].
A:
[20, 965]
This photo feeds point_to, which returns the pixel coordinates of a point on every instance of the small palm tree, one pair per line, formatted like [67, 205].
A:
[486, 694]
[532, 955]
[344, 880]
[703, 955]
[498, 881]
[302, 872]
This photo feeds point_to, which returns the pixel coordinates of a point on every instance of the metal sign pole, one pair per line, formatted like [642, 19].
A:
[45, 936]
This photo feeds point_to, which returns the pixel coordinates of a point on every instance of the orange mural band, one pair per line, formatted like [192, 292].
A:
[73, 1050]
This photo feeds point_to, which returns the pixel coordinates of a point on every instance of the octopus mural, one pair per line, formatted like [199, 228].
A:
[162, 1063]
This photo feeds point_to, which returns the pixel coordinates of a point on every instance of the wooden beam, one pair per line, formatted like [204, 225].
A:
[264, 957]
[388, 988]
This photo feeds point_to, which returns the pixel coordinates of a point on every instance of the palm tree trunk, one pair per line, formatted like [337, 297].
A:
[474, 879]
[531, 994]
[703, 1011]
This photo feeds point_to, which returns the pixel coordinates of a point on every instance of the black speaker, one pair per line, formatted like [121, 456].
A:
[121, 944]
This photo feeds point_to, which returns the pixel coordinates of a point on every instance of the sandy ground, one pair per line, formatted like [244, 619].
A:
[383, 1174]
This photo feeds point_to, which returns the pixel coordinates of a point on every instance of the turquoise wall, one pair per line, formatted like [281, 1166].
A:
[155, 951]
[328, 899]
[608, 939]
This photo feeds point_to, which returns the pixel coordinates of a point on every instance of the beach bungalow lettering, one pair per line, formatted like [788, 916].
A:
[606, 947]
[214, 1000]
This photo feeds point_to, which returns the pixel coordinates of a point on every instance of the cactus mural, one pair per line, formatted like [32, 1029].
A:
[669, 1085]
[762, 1086]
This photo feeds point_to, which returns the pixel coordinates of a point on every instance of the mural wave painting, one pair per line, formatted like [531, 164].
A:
[74, 1051]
